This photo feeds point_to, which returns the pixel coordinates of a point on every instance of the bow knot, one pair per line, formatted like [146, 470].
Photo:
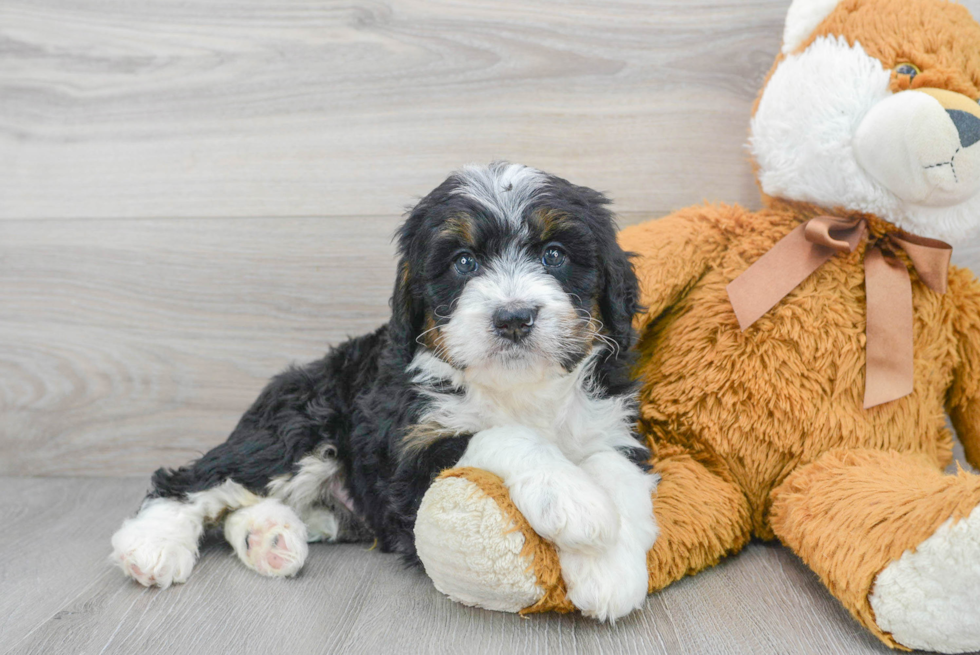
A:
[888, 287]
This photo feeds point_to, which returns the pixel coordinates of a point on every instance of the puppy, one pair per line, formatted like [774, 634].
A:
[507, 350]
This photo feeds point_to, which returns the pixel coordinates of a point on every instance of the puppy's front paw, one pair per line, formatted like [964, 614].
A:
[606, 586]
[568, 509]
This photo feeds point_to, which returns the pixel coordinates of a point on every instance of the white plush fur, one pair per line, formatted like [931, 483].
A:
[908, 143]
[268, 538]
[802, 18]
[159, 545]
[471, 551]
[804, 138]
[929, 599]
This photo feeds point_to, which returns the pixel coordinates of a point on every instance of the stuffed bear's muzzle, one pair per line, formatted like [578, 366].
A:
[923, 145]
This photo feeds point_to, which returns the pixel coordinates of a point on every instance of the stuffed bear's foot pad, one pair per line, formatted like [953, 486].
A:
[929, 598]
[470, 549]
[269, 538]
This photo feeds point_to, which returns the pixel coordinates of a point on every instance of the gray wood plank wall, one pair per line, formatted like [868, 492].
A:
[195, 194]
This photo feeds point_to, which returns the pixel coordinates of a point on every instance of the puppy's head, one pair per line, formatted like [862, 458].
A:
[508, 273]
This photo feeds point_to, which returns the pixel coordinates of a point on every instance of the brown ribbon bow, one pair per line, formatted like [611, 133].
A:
[887, 286]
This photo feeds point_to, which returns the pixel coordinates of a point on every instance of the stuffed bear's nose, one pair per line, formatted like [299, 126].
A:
[967, 125]
[514, 323]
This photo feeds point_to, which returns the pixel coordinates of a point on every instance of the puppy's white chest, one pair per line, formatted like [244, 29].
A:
[575, 422]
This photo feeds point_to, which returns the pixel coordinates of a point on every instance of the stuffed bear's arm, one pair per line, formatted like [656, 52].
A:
[963, 401]
[674, 251]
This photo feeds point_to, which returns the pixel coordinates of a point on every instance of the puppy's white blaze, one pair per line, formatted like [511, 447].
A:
[504, 189]
[803, 138]
[512, 279]
[547, 432]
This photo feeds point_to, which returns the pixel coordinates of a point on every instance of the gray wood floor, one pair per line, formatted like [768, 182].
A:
[195, 194]
[61, 596]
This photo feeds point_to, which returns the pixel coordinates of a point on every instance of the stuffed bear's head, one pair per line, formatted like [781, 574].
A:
[872, 107]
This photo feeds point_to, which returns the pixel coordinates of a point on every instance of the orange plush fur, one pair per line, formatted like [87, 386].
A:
[774, 417]
[763, 432]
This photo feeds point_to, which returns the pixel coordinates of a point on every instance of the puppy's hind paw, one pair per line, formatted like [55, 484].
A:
[158, 565]
[158, 547]
[268, 538]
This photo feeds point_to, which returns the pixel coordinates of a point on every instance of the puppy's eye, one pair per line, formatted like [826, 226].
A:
[908, 69]
[553, 257]
[466, 263]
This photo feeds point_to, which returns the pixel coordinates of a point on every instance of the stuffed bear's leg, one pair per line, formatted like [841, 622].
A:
[479, 550]
[894, 539]
[702, 516]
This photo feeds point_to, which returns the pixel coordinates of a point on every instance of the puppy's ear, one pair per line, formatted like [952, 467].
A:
[407, 314]
[619, 292]
[620, 296]
[407, 306]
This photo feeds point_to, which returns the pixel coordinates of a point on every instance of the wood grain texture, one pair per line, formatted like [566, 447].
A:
[118, 334]
[61, 596]
[298, 108]
[131, 344]
[54, 548]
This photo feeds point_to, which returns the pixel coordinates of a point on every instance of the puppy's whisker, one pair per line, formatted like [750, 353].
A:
[422, 334]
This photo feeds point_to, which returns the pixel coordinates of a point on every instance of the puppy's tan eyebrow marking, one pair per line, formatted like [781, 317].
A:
[461, 227]
[548, 222]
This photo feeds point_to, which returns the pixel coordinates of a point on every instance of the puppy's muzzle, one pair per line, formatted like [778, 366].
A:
[514, 323]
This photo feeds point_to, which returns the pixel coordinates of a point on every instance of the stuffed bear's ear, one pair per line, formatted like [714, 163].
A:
[802, 18]
[620, 298]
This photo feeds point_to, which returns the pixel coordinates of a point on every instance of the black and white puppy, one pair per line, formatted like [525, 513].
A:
[507, 350]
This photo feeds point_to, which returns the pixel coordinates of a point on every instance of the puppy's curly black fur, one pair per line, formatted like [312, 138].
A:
[358, 402]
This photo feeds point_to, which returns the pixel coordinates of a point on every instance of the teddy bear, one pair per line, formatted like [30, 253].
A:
[796, 363]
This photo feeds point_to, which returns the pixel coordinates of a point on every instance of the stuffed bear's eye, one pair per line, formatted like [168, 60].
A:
[907, 69]
[553, 257]
[466, 263]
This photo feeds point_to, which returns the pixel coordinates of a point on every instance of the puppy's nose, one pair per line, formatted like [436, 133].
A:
[514, 323]
[967, 125]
